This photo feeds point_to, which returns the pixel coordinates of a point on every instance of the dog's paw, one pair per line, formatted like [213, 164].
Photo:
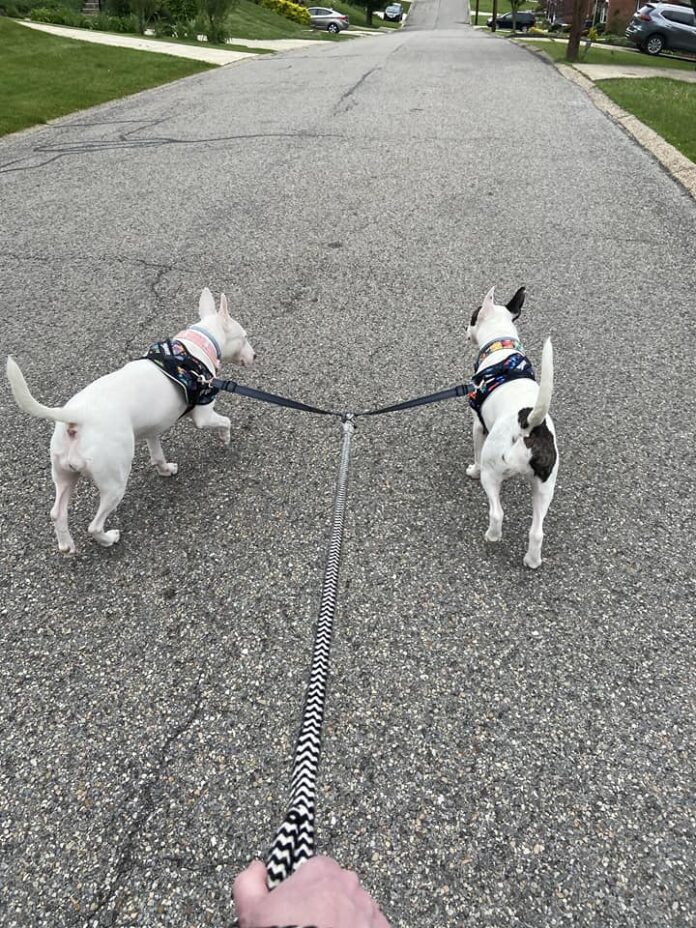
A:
[532, 561]
[226, 435]
[106, 539]
[473, 471]
[167, 470]
[68, 548]
[493, 535]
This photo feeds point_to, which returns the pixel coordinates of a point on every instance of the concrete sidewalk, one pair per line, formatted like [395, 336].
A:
[603, 72]
[217, 56]
[200, 52]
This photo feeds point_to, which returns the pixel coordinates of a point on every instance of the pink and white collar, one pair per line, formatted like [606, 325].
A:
[205, 341]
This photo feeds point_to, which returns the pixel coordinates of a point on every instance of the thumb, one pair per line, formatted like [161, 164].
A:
[250, 887]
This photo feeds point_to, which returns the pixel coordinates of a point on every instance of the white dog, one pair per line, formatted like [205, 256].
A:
[513, 432]
[96, 430]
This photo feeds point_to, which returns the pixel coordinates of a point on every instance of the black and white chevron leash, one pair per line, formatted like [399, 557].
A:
[294, 840]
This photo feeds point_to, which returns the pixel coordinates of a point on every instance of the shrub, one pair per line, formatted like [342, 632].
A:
[186, 29]
[116, 7]
[115, 23]
[24, 7]
[60, 17]
[180, 11]
[214, 12]
[288, 9]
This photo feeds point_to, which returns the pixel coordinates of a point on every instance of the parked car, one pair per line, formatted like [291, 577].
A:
[394, 13]
[663, 26]
[323, 17]
[563, 25]
[525, 19]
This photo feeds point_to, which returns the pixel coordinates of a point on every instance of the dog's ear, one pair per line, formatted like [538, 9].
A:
[516, 303]
[487, 305]
[206, 304]
[224, 312]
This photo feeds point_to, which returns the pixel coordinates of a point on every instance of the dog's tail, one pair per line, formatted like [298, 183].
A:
[543, 403]
[26, 401]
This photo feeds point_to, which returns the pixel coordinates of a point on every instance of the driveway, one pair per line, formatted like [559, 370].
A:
[503, 748]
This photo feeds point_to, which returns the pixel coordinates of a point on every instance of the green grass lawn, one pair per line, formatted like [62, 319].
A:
[250, 21]
[667, 106]
[486, 8]
[556, 49]
[43, 76]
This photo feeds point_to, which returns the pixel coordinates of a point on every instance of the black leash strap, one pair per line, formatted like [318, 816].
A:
[231, 386]
[461, 390]
[294, 840]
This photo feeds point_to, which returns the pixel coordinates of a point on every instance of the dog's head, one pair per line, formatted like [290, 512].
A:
[492, 319]
[233, 339]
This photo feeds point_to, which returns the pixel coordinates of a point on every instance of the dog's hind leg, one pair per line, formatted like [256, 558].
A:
[491, 483]
[542, 494]
[111, 479]
[65, 481]
[158, 460]
[474, 470]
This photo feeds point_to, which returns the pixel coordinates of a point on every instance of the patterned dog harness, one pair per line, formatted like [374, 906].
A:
[187, 372]
[514, 367]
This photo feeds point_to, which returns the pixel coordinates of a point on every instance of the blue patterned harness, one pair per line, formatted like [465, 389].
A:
[515, 367]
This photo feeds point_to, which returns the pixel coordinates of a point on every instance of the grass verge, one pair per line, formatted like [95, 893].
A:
[486, 8]
[667, 106]
[43, 76]
[556, 49]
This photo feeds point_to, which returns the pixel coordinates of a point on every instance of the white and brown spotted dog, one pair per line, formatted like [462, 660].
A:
[513, 432]
[97, 429]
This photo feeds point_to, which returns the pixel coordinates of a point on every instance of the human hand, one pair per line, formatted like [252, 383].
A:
[320, 893]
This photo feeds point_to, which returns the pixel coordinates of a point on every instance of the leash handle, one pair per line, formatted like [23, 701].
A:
[294, 841]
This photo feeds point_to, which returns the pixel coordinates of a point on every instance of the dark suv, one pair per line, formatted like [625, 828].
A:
[524, 20]
[663, 26]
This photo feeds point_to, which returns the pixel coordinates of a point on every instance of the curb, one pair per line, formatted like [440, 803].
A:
[677, 165]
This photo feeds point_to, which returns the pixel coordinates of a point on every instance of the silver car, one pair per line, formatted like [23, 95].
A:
[663, 26]
[323, 17]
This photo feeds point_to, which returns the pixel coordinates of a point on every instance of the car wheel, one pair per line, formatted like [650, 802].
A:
[524, 28]
[654, 44]
[332, 27]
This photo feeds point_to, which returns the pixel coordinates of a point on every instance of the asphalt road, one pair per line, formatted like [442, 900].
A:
[503, 748]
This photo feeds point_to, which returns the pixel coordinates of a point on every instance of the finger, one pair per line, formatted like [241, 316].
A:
[250, 886]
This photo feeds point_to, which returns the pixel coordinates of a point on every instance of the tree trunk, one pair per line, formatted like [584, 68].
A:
[494, 15]
[576, 29]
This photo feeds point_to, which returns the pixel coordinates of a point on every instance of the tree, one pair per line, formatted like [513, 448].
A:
[576, 27]
[514, 9]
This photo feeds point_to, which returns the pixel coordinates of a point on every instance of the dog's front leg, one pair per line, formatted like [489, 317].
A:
[205, 417]
[474, 470]
[158, 460]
